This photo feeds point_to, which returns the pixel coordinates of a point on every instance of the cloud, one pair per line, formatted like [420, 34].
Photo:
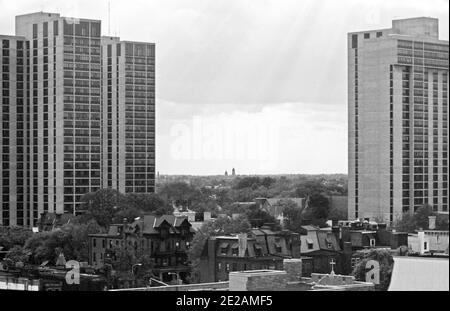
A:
[248, 61]
[279, 138]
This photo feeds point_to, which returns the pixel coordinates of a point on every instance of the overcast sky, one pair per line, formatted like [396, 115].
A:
[258, 85]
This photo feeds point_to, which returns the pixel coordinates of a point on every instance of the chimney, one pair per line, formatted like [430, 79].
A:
[293, 268]
[348, 248]
[242, 244]
[206, 216]
[336, 231]
[295, 245]
[432, 222]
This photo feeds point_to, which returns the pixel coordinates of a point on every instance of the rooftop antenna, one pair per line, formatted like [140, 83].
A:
[109, 18]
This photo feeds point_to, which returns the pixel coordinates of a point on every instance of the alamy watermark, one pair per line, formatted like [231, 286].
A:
[238, 138]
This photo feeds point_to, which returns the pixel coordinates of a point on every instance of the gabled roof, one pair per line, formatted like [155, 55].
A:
[149, 224]
[309, 240]
[326, 238]
[230, 243]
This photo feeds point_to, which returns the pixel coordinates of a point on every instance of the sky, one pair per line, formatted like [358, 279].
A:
[255, 85]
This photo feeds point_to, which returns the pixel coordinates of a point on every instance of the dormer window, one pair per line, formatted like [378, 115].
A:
[235, 250]
[310, 243]
[224, 248]
[278, 248]
[329, 243]
[258, 250]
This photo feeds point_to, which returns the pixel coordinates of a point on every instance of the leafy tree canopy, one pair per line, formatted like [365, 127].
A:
[386, 264]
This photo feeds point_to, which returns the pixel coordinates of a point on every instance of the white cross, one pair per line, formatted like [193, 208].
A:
[332, 263]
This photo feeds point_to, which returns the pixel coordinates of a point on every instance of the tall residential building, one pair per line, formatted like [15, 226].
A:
[398, 120]
[14, 116]
[77, 118]
[128, 82]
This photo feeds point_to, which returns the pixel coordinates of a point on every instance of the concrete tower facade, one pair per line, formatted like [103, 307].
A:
[398, 120]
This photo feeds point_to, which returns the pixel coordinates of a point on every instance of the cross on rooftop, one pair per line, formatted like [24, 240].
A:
[332, 263]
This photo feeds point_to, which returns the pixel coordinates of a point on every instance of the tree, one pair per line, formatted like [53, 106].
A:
[79, 239]
[129, 214]
[320, 205]
[337, 214]
[103, 205]
[17, 255]
[292, 214]
[181, 194]
[144, 202]
[247, 182]
[386, 264]
[71, 240]
[308, 188]
[258, 217]
[421, 216]
[10, 237]
[406, 224]
[420, 220]
[442, 222]
[268, 182]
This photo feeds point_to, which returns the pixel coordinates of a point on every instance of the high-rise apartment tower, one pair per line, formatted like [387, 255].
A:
[77, 116]
[398, 120]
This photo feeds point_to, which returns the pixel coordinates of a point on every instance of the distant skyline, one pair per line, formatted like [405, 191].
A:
[260, 86]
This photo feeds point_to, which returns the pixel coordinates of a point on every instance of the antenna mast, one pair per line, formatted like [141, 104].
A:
[109, 18]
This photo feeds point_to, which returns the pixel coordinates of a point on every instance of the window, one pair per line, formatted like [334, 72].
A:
[278, 248]
[354, 41]
[235, 250]
[367, 35]
[35, 30]
[258, 250]
[224, 248]
[55, 28]
[354, 262]
[45, 29]
[95, 29]
[118, 50]
[379, 34]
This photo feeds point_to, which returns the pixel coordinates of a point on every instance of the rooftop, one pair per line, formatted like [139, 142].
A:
[420, 274]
